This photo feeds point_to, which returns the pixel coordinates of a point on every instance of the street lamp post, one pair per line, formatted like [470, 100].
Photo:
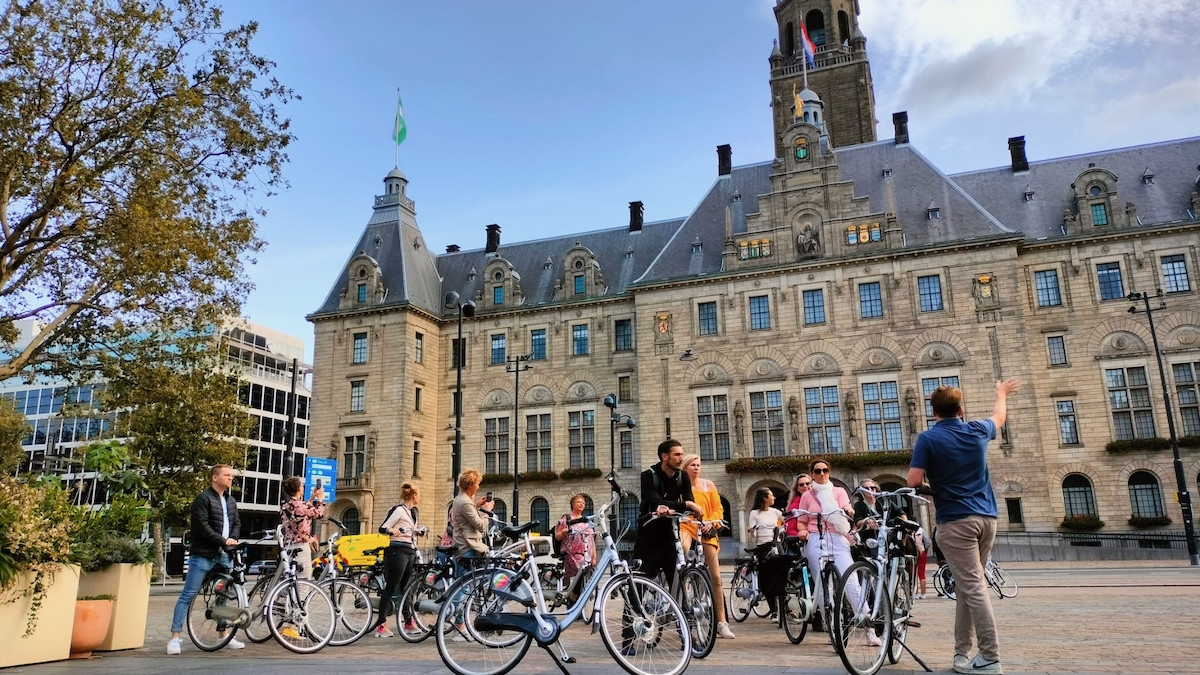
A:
[1185, 499]
[514, 365]
[614, 418]
[461, 309]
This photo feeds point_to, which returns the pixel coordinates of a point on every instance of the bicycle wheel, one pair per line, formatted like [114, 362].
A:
[829, 588]
[701, 610]
[902, 604]
[864, 619]
[795, 609]
[213, 613]
[1006, 583]
[760, 605]
[463, 645]
[300, 616]
[589, 604]
[947, 588]
[740, 594]
[418, 608]
[256, 629]
[643, 627]
[352, 611]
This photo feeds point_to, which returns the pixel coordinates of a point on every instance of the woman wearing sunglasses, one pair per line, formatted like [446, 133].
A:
[794, 541]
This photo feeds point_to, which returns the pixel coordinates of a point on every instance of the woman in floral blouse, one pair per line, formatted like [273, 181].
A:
[297, 517]
[578, 543]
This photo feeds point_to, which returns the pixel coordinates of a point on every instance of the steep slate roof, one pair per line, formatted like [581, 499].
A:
[529, 259]
[915, 184]
[1166, 200]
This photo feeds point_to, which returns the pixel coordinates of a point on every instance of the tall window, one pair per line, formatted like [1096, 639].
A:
[579, 340]
[419, 348]
[582, 438]
[626, 449]
[760, 313]
[498, 348]
[1109, 275]
[500, 510]
[579, 284]
[928, 386]
[870, 300]
[1056, 345]
[539, 510]
[362, 292]
[1099, 214]
[766, 423]
[930, 290]
[354, 457]
[495, 445]
[360, 348]
[358, 395]
[1175, 275]
[814, 307]
[625, 388]
[823, 418]
[1078, 497]
[1129, 398]
[458, 357]
[623, 335]
[416, 459]
[629, 512]
[707, 317]
[498, 295]
[1145, 497]
[1068, 431]
[881, 410]
[351, 522]
[537, 443]
[712, 417]
[1046, 282]
[417, 399]
[1187, 392]
[537, 344]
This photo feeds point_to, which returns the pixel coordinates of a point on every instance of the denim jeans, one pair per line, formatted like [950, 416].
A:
[198, 567]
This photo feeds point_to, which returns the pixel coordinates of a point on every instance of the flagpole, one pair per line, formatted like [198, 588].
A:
[397, 145]
[804, 64]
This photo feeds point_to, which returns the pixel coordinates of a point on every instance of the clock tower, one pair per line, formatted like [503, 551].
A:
[841, 76]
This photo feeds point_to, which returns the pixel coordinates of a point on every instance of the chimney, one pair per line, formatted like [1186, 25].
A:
[724, 159]
[452, 248]
[493, 238]
[635, 216]
[1016, 148]
[900, 121]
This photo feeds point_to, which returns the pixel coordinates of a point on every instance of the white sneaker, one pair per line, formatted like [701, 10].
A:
[980, 665]
[174, 646]
[236, 644]
[961, 662]
[723, 631]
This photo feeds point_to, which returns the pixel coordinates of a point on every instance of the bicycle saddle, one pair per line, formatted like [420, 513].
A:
[374, 551]
[519, 531]
[445, 549]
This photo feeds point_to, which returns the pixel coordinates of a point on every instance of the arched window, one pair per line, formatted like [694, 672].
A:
[1078, 497]
[815, 23]
[843, 26]
[629, 513]
[539, 510]
[500, 510]
[589, 509]
[1145, 496]
[350, 520]
[789, 40]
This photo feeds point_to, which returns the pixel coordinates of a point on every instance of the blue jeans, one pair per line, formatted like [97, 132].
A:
[198, 567]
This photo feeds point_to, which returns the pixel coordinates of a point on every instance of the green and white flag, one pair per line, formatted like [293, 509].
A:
[400, 130]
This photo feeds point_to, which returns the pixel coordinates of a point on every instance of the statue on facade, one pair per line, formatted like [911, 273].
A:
[808, 241]
[794, 417]
[739, 421]
[851, 413]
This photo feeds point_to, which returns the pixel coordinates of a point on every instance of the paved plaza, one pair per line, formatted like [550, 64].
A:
[1068, 618]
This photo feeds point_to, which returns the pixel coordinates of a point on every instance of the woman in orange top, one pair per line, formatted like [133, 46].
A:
[704, 492]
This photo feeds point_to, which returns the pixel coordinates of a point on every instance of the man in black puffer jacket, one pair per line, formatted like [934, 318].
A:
[215, 526]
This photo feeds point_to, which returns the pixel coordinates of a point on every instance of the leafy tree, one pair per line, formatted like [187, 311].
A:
[179, 411]
[133, 136]
[13, 428]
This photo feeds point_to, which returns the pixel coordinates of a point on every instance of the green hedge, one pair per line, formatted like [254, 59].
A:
[1148, 521]
[538, 476]
[580, 474]
[794, 464]
[1082, 522]
[496, 479]
[1150, 444]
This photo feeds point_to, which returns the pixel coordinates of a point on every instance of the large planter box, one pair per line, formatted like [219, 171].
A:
[129, 584]
[51, 641]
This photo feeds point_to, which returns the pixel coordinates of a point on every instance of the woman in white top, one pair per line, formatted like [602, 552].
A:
[763, 520]
[401, 524]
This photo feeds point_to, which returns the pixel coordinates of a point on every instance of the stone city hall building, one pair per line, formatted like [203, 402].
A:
[807, 306]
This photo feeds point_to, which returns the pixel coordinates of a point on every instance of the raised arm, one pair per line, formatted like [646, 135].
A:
[1003, 391]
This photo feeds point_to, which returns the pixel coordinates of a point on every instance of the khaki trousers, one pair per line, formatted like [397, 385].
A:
[967, 543]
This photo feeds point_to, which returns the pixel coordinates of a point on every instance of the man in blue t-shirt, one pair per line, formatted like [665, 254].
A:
[953, 456]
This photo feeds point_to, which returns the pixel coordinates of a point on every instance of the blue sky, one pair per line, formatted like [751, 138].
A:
[548, 118]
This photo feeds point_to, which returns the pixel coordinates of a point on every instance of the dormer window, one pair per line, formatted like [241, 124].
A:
[498, 295]
[697, 247]
[887, 171]
[629, 253]
[1148, 178]
[580, 284]
[362, 292]
[1028, 193]
[1099, 213]
[1095, 191]
[933, 213]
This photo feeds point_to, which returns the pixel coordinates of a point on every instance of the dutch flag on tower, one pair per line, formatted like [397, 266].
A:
[810, 50]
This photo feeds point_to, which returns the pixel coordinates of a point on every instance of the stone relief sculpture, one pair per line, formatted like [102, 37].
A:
[808, 241]
[851, 413]
[739, 422]
[794, 417]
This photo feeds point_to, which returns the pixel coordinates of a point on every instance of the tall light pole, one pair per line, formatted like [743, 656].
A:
[614, 418]
[514, 365]
[1185, 499]
[461, 309]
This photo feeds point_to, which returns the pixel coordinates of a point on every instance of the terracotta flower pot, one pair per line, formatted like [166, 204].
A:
[91, 626]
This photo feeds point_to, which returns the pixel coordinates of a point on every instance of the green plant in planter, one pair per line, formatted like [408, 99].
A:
[102, 596]
[37, 523]
[1082, 522]
[1148, 521]
[112, 534]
